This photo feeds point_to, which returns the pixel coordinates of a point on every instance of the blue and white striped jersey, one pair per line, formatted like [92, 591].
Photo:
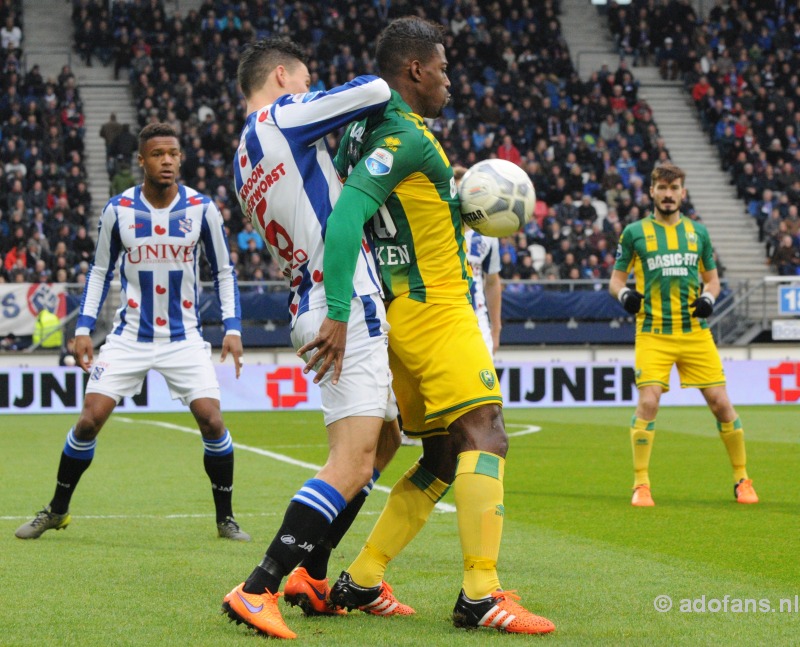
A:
[287, 184]
[158, 256]
[483, 253]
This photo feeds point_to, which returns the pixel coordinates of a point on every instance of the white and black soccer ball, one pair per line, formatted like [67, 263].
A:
[497, 198]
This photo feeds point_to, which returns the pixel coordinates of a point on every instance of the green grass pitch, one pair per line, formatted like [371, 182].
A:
[141, 564]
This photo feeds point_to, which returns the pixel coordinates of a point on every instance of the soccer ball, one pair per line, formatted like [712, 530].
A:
[497, 198]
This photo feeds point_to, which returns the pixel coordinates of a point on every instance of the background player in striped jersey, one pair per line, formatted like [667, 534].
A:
[669, 254]
[483, 253]
[399, 177]
[287, 185]
[153, 233]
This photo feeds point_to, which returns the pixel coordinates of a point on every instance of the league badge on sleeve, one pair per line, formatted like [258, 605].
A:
[380, 162]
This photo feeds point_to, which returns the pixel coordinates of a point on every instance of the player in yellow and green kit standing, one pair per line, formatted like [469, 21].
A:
[444, 377]
[669, 254]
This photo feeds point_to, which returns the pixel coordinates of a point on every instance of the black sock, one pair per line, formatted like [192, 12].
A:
[317, 562]
[69, 473]
[301, 529]
[220, 472]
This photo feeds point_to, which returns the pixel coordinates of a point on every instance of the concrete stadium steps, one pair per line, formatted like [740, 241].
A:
[47, 36]
[100, 99]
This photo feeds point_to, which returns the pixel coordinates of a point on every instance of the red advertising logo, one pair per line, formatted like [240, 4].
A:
[776, 382]
[280, 381]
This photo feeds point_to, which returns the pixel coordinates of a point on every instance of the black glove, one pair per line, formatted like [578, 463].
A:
[631, 300]
[703, 306]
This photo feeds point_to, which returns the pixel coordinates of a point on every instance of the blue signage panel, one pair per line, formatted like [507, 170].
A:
[789, 299]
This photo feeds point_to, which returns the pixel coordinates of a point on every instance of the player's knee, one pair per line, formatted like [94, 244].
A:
[87, 427]
[484, 429]
[210, 424]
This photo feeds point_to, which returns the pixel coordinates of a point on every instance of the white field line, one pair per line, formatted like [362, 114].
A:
[441, 507]
[526, 429]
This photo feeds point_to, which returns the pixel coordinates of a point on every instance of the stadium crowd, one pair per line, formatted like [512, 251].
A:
[588, 146]
[740, 67]
[45, 203]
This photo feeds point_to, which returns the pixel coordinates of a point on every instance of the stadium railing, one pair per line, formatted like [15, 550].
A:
[535, 312]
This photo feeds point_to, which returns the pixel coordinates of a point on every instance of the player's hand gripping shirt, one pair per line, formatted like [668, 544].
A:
[418, 233]
[667, 262]
[287, 184]
[158, 255]
[483, 253]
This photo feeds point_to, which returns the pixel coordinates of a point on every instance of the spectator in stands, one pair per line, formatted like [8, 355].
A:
[507, 151]
[82, 245]
[667, 60]
[124, 146]
[11, 37]
[123, 178]
[123, 51]
[785, 259]
[774, 229]
[109, 132]
[18, 258]
[246, 235]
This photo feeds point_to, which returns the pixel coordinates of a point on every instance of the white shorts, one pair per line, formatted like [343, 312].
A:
[121, 366]
[365, 385]
[486, 331]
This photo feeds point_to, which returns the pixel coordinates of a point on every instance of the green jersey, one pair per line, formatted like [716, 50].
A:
[667, 261]
[418, 234]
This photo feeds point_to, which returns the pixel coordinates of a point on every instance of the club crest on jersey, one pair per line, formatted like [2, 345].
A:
[308, 96]
[380, 162]
[185, 225]
[487, 377]
[691, 237]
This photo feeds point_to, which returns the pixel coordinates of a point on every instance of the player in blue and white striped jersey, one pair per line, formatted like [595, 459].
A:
[483, 253]
[287, 185]
[153, 233]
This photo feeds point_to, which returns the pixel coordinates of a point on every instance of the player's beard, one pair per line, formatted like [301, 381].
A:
[668, 210]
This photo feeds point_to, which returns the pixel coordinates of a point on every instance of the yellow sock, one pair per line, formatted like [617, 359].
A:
[478, 489]
[407, 509]
[642, 436]
[732, 435]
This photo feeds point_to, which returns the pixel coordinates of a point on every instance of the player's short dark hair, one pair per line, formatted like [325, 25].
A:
[667, 173]
[261, 57]
[406, 39]
[155, 130]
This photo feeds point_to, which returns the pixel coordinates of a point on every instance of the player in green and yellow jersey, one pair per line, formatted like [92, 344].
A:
[669, 256]
[400, 181]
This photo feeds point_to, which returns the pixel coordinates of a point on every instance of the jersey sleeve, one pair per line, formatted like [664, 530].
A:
[305, 118]
[386, 161]
[625, 252]
[225, 285]
[707, 257]
[101, 271]
[491, 264]
[341, 161]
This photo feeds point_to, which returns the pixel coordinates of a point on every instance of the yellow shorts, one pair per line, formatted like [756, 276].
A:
[440, 365]
[695, 355]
